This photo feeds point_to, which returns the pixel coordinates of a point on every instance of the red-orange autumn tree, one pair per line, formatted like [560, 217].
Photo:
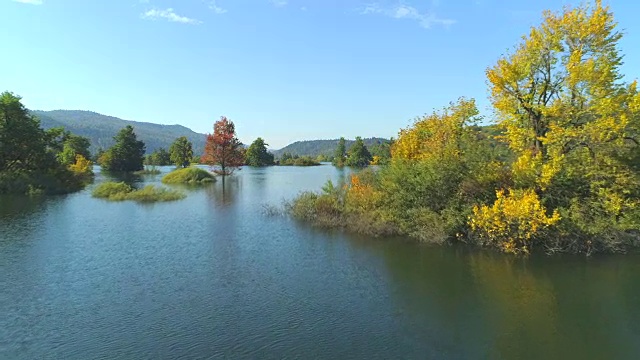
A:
[223, 147]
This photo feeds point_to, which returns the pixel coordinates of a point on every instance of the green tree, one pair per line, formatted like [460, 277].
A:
[340, 154]
[181, 152]
[381, 152]
[73, 145]
[257, 154]
[160, 157]
[23, 144]
[126, 155]
[29, 155]
[285, 157]
[359, 155]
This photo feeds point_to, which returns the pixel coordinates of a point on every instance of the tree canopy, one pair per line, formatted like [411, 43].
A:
[257, 154]
[359, 155]
[223, 147]
[340, 154]
[126, 155]
[159, 157]
[181, 152]
[36, 161]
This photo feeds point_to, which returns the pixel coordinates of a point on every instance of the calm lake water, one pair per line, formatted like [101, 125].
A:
[213, 276]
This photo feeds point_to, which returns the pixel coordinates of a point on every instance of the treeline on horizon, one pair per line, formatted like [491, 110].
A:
[36, 161]
[565, 179]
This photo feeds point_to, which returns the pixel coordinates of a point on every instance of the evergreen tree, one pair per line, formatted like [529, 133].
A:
[160, 157]
[257, 154]
[126, 155]
[340, 153]
[359, 155]
[181, 152]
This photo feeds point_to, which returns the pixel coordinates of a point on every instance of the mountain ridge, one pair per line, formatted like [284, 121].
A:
[100, 129]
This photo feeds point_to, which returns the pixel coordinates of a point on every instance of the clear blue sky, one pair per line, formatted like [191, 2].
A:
[284, 70]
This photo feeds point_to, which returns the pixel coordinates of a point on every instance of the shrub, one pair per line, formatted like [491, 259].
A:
[82, 167]
[190, 175]
[514, 221]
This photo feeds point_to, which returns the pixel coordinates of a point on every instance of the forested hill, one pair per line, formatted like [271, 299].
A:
[314, 148]
[101, 129]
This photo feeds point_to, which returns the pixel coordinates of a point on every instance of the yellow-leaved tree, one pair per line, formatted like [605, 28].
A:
[573, 123]
[437, 136]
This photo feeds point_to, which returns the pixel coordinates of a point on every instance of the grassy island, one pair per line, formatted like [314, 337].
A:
[190, 175]
[120, 191]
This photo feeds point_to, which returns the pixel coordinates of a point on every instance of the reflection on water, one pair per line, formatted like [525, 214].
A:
[212, 277]
[225, 191]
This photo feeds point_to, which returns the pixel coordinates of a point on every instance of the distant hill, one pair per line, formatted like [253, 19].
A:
[316, 147]
[101, 129]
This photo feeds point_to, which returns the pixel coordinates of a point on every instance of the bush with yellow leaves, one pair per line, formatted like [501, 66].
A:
[82, 168]
[514, 221]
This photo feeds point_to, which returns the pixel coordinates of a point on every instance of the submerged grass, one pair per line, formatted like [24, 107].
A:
[148, 171]
[190, 175]
[120, 191]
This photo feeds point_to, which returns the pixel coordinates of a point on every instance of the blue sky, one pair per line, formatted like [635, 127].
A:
[284, 70]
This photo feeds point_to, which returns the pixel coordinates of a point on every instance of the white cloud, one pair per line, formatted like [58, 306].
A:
[216, 9]
[169, 15]
[402, 11]
[30, 2]
[279, 3]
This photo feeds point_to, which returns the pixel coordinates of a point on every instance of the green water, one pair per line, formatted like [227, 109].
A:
[213, 276]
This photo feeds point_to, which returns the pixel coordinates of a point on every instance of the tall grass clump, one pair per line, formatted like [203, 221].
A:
[190, 175]
[120, 191]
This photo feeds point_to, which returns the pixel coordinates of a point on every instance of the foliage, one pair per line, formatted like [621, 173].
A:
[160, 157]
[223, 147]
[181, 152]
[340, 154]
[190, 175]
[359, 155]
[323, 158]
[72, 146]
[23, 144]
[257, 154]
[82, 167]
[120, 191]
[559, 171]
[572, 123]
[438, 136]
[381, 152]
[34, 161]
[422, 195]
[514, 223]
[288, 160]
[126, 155]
